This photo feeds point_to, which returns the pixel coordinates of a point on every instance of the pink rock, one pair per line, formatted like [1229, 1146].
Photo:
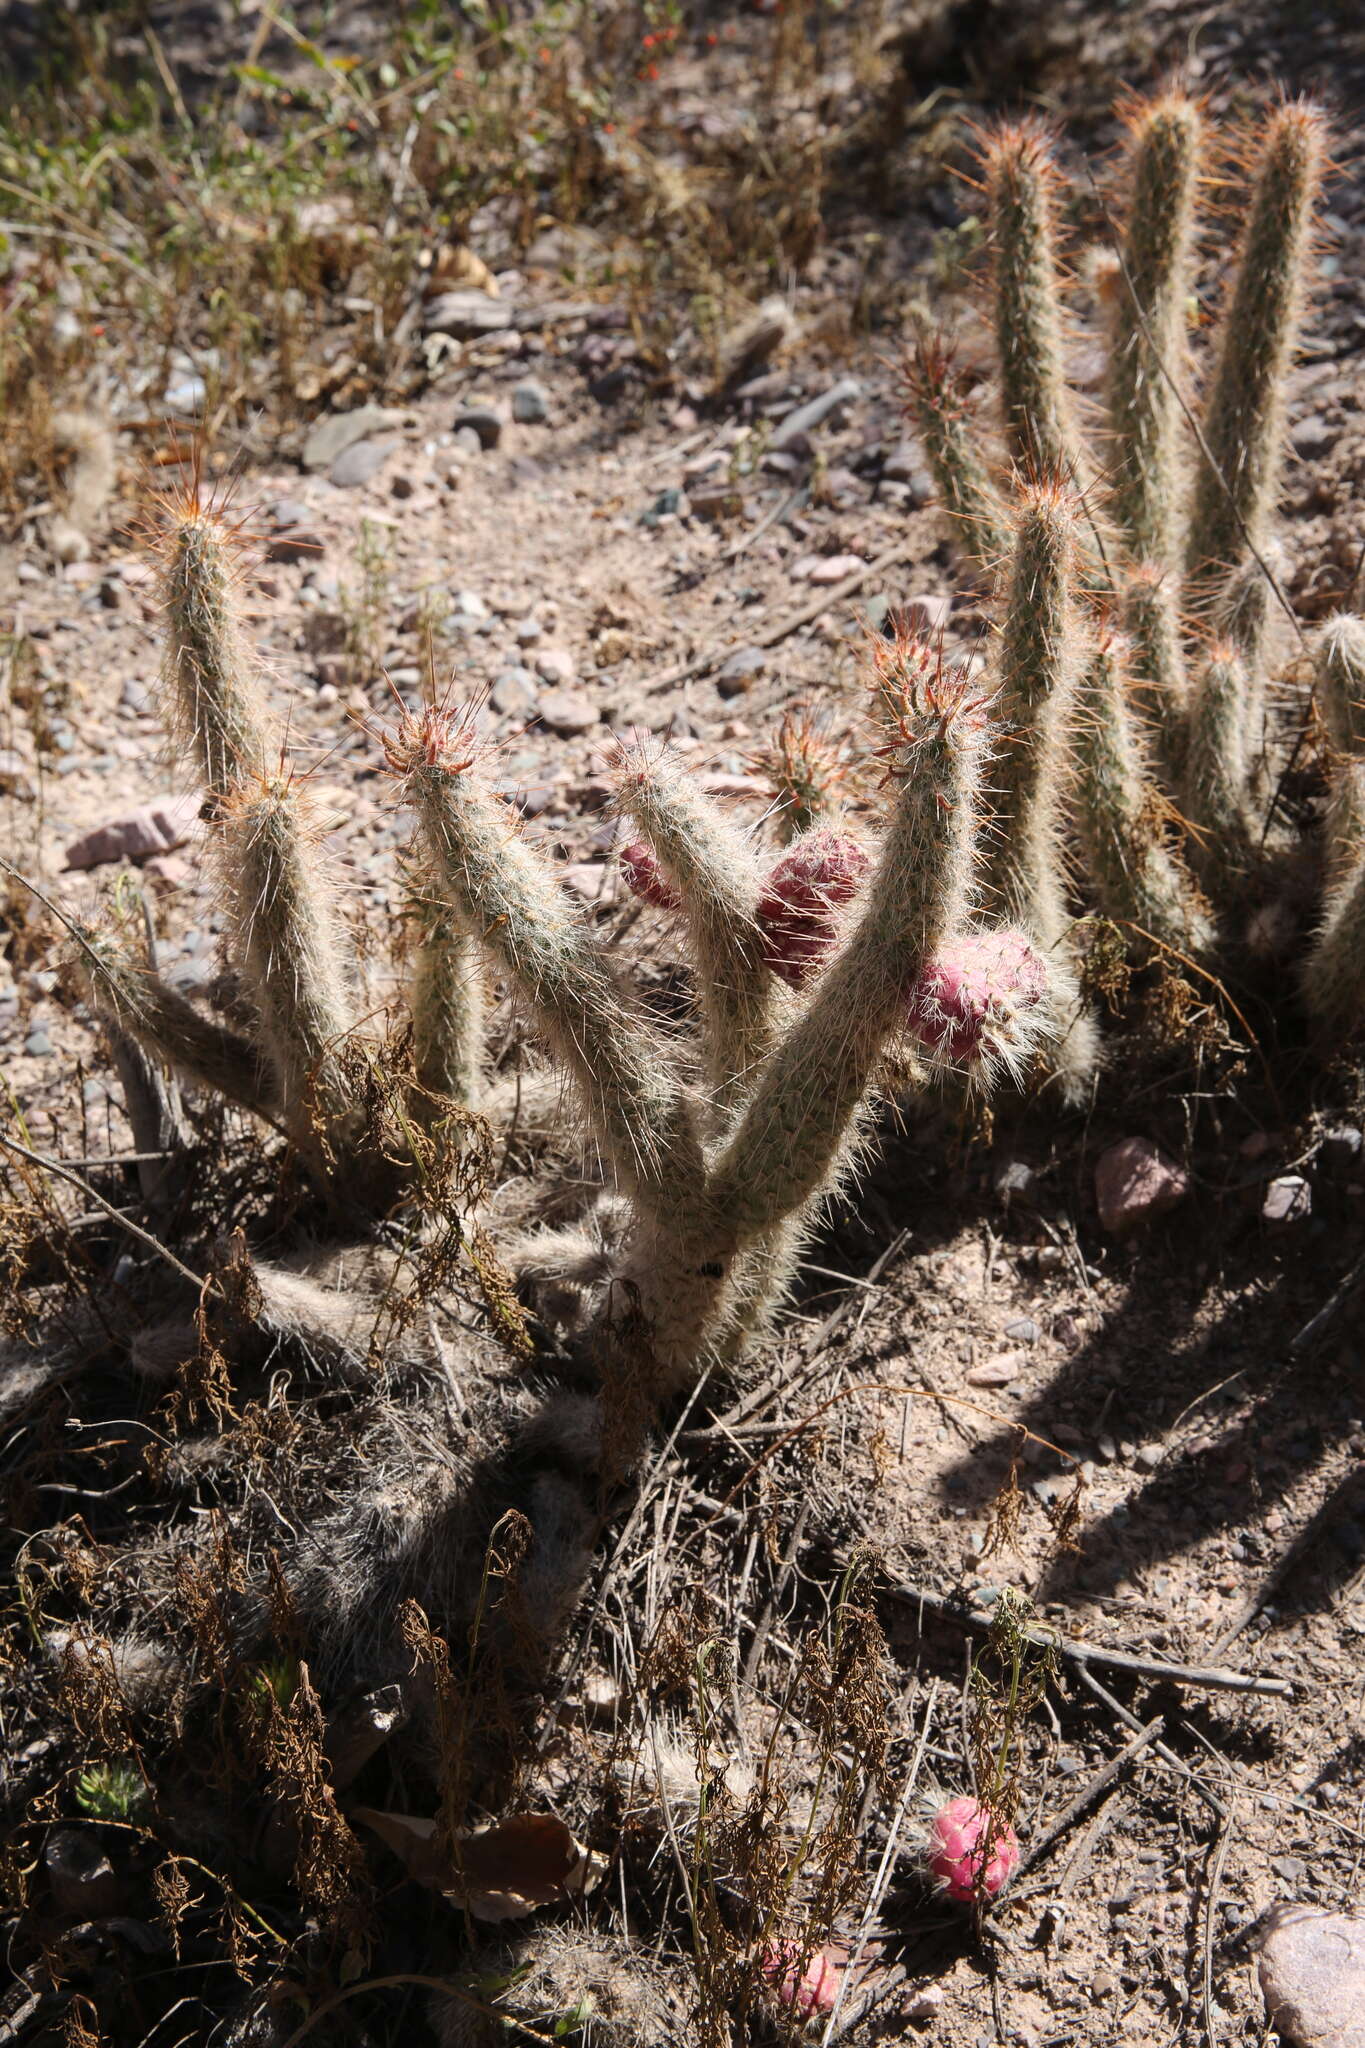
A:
[798, 910]
[923, 614]
[1312, 1970]
[554, 665]
[588, 879]
[1135, 1183]
[958, 1839]
[169, 871]
[155, 828]
[834, 568]
[996, 1372]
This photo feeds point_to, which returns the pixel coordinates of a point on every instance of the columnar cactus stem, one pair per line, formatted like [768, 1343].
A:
[1339, 674]
[1137, 875]
[1038, 659]
[1020, 178]
[214, 708]
[1217, 770]
[1151, 622]
[507, 897]
[446, 1000]
[1236, 485]
[1334, 977]
[806, 771]
[195, 1049]
[289, 948]
[1147, 347]
[713, 868]
[793, 1139]
[938, 410]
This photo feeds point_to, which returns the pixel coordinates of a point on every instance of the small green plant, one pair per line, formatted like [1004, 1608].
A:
[114, 1791]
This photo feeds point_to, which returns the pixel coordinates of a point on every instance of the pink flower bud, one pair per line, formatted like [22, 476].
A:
[643, 876]
[798, 910]
[958, 1840]
[973, 999]
[808, 1990]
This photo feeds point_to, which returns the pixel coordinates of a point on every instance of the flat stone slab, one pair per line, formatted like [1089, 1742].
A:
[1312, 1970]
[335, 432]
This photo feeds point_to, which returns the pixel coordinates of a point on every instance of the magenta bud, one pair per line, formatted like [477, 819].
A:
[798, 910]
[643, 876]
[972, 997]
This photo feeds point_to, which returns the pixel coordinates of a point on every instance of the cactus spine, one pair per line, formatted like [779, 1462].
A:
[1147, 343]
[1020, 177]
[1218, 759]
[1136, 873]
[1235, 487]
[1152, 625]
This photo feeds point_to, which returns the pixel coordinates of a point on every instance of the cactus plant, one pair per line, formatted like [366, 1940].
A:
[1142, 751]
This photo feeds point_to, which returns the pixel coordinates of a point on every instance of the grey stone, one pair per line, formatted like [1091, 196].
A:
[466, 315]
[902, 463]
[38, 1045]
[530, 403]
[1313, 436]
[739, 671]
[815, 412]
[358, 463]
[335, 432]
[528, 631]
[82, 1879]
[468, 441]
[668, 505]
[1014, 1180]
[484, 420]
[555, 665]
[1312, 1971]
[138, 698]
[513, 694]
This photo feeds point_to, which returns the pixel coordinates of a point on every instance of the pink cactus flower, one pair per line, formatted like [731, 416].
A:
[798, 910]
[642, 875]
[973, 1000]
[957, 1840]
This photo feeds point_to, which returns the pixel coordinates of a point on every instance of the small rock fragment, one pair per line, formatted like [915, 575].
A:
[15, 779]
[82, 1878]
[513, 694]
[995, 1372]
[1312, 1971]
[483, 420]
[1288, 1199]
[739, 671]
[466, 315]
[361, 461]
[835, 568]
[1135, 1182]
[815, 412]
[530, 403]
[555, 665]
[154, 828]
[567, 712]
[335, 432]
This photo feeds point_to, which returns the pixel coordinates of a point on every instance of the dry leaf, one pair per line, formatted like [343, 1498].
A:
[499, 1873]
[455, 265]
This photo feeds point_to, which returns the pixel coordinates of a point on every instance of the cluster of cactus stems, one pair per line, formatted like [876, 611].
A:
[817, 947]
[1137, 581]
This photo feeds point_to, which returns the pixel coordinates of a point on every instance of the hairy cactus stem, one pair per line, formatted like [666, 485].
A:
[1137, 874]
[1021, 177]
[1218, 771]
[215, 709]
[1147, 347]
[937, 408]
[1236, 482]
[290, 952]
[134, 1000]
[806, 771]
[713, 869]
[1339, 679]
[1038, 658]
[507, 897]
[1156, 656]
[446, 999]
